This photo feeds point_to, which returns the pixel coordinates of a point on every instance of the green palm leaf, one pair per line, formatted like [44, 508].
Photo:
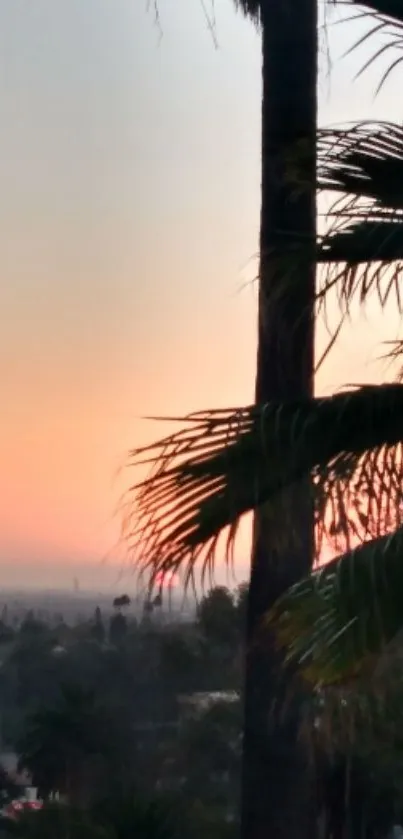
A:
[337, 621]
[226, 463]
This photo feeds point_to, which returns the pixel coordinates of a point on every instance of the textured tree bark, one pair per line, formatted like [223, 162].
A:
[277, 794]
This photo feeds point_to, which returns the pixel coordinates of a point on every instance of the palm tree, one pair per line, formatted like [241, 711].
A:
[121, 602]
[227, 463]
[285, 369]
[263, 458]
[285, 364]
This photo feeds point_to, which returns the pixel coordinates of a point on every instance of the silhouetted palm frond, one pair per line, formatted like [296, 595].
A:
[363, 248]
[395, 356]
[363, 159]
[392, 9]
[251, 8]
[386, 23]
[226, 463]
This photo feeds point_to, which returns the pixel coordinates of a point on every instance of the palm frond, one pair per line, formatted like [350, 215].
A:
[395, 356]
[365, 711]
[362, 251]
[335, 623]
[389, 8]
[363, 159]
[386, 21]
[250, 8]
[359, 497]
[226, 463]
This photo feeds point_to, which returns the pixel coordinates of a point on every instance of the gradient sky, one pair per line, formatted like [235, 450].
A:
[129, 206]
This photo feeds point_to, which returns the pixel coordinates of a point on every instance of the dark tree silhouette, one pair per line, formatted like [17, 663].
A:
[59, 744]
[216, 616]
[117, 628]
[98, 628]
[121, 602]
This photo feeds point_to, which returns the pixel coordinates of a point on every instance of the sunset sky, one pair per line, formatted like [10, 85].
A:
[129, 206]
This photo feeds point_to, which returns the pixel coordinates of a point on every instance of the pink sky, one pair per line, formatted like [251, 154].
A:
[128, 233]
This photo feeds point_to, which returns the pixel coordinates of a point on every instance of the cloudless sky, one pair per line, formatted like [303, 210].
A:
[129, 209]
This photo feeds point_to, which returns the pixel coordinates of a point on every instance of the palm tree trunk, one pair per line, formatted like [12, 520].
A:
[276, 799]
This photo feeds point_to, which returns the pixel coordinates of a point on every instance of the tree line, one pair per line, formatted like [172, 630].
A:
[148, 713]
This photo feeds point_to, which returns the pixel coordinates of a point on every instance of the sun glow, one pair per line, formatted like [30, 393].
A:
[167, 579]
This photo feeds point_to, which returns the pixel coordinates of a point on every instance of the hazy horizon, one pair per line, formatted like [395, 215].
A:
[100, 576]
[61, 576]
